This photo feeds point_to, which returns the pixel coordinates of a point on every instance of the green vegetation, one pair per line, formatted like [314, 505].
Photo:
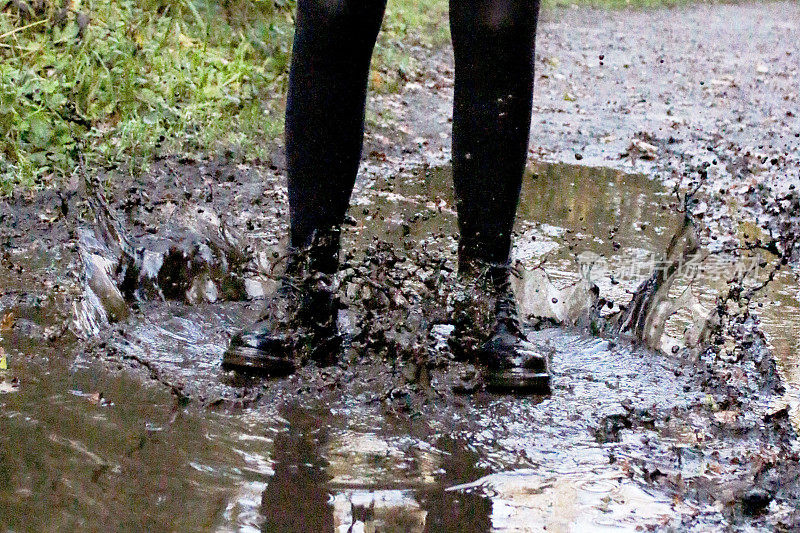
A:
[407, 23]
[112, 83]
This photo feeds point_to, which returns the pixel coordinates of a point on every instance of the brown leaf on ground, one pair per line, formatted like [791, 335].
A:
[95, 398]
[7, 322]
[726, 417]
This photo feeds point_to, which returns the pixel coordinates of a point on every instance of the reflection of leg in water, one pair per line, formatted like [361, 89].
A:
[386, 511]
[297, 498]
[493, 42]
[456, 511]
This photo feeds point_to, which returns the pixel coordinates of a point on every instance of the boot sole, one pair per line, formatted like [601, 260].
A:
[253, 361]
[518, 381]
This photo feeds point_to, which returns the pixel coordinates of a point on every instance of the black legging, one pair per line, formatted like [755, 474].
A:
[493, 42]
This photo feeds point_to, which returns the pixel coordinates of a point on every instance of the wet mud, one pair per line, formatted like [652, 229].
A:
[126, 418]
[659, 275]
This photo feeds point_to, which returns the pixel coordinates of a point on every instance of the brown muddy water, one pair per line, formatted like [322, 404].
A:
[621, 444]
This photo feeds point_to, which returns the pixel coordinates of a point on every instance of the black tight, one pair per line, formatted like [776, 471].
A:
[325, 108]
[493, 41]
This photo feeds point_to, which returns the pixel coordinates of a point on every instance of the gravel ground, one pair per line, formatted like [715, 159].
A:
[662, 91]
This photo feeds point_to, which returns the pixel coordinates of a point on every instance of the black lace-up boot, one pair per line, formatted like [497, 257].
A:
[300, 320]
[488, 333]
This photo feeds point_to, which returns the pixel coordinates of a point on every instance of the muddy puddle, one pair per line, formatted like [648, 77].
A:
[629, 439]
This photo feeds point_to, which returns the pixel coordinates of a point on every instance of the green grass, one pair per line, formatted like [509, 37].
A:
[113, 83]
[407, 23]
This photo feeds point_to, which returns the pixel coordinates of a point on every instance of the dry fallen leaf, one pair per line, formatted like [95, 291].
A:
[95, 398]
[643, 149]
[7, 322]
[8, 386]
[726, 417]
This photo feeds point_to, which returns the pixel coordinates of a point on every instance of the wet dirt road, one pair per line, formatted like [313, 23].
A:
[115, 310]
[630, 437]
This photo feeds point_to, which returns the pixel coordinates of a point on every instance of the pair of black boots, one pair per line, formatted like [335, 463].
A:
[300, 323]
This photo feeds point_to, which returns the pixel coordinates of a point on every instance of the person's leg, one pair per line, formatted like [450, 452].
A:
[333, 45]
[324, 130]
[493, 42]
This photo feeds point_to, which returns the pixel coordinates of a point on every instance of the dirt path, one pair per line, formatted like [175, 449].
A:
[155, 273]
[706, 84]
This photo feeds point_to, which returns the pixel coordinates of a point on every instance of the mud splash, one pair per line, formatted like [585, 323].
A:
[630, 439]
[779, 311]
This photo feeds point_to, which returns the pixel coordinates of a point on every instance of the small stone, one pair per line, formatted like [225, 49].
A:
[254, 289]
